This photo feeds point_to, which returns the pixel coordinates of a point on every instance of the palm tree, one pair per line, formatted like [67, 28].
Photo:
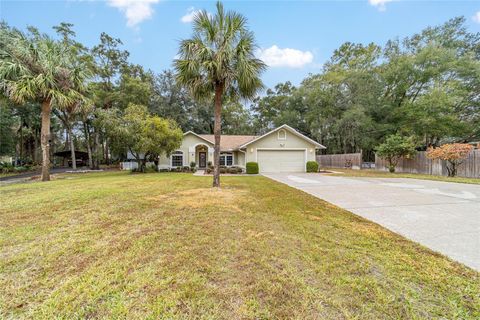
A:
[34, 67]
[219, 59]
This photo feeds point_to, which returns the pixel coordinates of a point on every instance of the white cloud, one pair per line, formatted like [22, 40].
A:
[188, 17]
[380, 4]
[134, 10]
[476, 17]
[278, 57]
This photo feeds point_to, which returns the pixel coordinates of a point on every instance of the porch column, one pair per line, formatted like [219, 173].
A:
[210, 155]
[191, 156]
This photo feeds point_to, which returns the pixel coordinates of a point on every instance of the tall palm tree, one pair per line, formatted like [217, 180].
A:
[219, 60]
[34, 67]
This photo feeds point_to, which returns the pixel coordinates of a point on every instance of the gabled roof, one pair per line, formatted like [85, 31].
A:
[287, 127]
[228, 142]
[198, 136]
[234, 142]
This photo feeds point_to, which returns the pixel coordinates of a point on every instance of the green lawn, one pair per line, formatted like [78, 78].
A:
[370, 173]
[119, 245]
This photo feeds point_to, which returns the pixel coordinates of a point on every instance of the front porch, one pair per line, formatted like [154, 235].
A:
[202, 156]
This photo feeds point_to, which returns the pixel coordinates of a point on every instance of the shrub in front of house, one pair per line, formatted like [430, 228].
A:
[193, 164]
[20, 169]
[7, 167]
[232, 170]
[225, 169]
[312, 166]
[252, 168]
[150, 169]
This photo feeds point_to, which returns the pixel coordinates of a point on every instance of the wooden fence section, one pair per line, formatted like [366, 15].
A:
[347, 160]
[470, 168]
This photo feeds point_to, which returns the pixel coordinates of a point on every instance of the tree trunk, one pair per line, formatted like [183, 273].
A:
[96, 143]
[45, 139]
[453, 169]
[89, 147]
[217, 129]
[72, 150]
[52, 149]
[107, 157]
[35, 147]
[21, 138]
[67, 142]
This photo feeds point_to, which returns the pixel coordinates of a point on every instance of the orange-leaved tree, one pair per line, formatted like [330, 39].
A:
[453, 153]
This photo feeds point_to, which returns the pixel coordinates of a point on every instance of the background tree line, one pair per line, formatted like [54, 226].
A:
[113, 83]
[426, 87]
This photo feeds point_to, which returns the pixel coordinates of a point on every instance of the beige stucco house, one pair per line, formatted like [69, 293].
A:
[283, 149]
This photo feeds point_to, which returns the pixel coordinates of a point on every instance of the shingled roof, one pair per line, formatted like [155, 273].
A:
[228, 142]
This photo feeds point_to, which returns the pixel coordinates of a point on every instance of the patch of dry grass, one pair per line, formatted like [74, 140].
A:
[115, 245]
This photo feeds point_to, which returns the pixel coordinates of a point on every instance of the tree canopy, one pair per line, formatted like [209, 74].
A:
[424, 87]
[143, 135]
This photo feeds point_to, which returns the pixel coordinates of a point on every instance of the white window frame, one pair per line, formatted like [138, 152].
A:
[177, 153]
[225, 154]
[284, 134]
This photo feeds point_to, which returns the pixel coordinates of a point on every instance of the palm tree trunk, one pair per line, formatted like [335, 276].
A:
[45, 139]
[72, 149]
[217, 128]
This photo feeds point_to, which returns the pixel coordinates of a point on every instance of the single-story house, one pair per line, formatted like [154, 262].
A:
[283, 149]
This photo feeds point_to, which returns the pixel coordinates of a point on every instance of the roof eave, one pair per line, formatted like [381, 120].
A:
[198, 136]
[317, 145]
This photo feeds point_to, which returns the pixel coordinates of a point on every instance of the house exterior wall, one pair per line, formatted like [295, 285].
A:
[189, 154]
[239, 159]
[271, 141]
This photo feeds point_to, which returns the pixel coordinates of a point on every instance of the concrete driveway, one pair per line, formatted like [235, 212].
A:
[443, 216]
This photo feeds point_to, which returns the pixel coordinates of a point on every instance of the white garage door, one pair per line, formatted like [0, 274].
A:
[281, 160]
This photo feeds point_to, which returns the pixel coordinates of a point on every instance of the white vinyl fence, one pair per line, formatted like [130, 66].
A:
[130, 165]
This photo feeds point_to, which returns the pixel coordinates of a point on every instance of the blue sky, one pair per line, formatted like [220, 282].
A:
[295, 37]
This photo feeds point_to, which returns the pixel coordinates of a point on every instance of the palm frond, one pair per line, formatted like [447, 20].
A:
[221, 51]
[35, 67]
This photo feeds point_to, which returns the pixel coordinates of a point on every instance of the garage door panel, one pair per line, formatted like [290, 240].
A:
[281, 160]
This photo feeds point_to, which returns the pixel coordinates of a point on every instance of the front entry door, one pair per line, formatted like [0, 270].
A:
[202, 159]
